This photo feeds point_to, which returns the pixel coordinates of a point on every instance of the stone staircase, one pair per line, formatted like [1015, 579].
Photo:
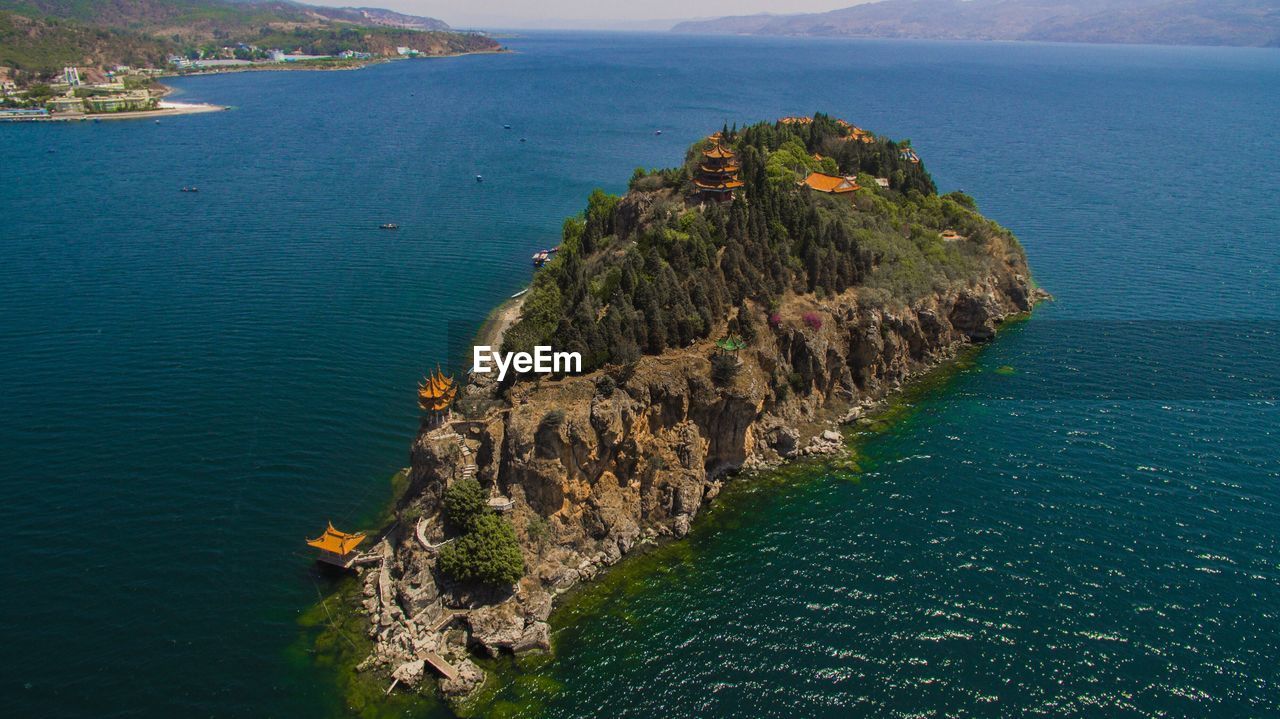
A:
[469, 469]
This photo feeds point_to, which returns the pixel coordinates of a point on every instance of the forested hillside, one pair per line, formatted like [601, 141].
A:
[657, 269]
[40, 36]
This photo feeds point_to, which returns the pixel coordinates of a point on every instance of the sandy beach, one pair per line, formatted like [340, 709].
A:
[165, 109]
[501, 318]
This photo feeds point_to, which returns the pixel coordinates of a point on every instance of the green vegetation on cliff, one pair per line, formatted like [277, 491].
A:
[657, 269]
[488, 551]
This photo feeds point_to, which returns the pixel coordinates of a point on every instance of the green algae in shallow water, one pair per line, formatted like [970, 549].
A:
[515, 687]
[1005, 370]
[333, 641]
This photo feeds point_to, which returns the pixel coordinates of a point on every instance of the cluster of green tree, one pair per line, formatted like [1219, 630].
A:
[40, 47]
[619, 288]
[792, 147]
[487, 552]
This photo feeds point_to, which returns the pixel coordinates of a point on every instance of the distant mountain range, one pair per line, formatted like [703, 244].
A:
[42, 35]
[1253, 23]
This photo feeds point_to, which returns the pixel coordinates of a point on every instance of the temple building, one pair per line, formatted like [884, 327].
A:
[848, 129]
[858, 134]
[793, 120]
[831, 184]
[337, 547]
[730, 344]
[436, 393]
[717, 176]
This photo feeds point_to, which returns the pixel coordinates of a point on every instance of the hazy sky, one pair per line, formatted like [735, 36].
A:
[522, 13]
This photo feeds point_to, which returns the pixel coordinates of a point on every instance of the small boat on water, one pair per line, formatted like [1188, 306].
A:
[506, 127]
[191, 189]
[523, 139]
[659, 132]
[389, 226]
[520, 293]
[479, 178]
[540, 258]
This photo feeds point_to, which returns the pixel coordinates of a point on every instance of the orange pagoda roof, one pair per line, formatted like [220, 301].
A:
[732, 184]
[851, 131]
[436, 392]
[834, 184]
[727, 168]
[335, 541]
[719, 152]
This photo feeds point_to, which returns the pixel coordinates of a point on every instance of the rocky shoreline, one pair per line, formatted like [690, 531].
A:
[633, 456]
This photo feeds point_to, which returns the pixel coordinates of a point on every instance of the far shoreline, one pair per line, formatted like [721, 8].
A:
[318, 66]
[173, 109]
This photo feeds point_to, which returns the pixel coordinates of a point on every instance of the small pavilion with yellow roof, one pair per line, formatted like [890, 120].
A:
[337, 547]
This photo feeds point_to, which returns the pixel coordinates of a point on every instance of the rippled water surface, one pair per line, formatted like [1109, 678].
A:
[1077, 522]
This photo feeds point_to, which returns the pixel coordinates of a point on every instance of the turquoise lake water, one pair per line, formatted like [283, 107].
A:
[192, 383]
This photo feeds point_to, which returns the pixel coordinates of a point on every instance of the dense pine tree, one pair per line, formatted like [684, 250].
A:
[619, 288]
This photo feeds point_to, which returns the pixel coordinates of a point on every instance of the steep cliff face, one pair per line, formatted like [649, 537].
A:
[595, 465]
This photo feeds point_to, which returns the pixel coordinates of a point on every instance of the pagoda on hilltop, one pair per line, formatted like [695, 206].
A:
[435, 394]
[717, 176]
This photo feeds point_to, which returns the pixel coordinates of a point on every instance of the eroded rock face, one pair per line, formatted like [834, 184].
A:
[497, 628]
[417, 591]
[536, 636]
[470, 678]
[593, 475]
[410, 673]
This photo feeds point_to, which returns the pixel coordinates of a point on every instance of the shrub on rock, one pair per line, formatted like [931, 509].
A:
[464, 503]
[489, 553]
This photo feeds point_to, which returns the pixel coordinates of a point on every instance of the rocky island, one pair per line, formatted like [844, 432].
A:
[731, 313]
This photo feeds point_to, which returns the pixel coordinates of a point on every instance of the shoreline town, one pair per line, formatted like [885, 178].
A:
[124, 92]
